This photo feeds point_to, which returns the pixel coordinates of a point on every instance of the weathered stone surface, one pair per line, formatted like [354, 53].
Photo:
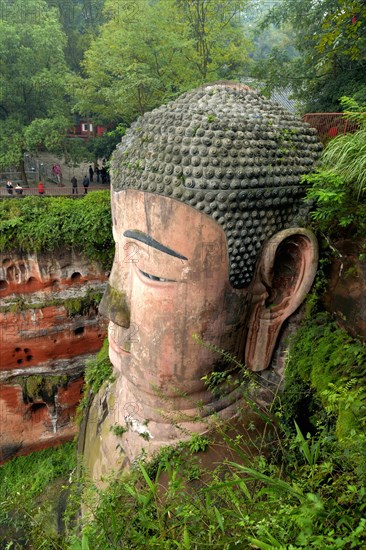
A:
[346, 293]
[210, 255]
[36, 336]
[36, 423]
[49, 327]
[25, 274]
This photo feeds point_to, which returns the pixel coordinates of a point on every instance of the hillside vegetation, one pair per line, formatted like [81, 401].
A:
[307, 490]
[45, 224]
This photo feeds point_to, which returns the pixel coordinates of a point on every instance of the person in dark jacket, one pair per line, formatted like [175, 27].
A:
[86, 183]
[97, 171]
[74, 183]
[103, 175]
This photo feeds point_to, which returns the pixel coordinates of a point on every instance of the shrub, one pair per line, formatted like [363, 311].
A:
[32, 496]
[35, 224]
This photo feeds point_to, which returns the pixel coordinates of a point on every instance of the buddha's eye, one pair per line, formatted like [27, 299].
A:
[154, 278]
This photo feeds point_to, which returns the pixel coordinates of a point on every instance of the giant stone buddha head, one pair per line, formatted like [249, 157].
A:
[208, 218]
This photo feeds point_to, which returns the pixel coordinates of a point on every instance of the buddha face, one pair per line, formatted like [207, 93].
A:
[169, 282]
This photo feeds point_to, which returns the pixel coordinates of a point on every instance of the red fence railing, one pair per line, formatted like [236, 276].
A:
[330, 125]
[51, 191]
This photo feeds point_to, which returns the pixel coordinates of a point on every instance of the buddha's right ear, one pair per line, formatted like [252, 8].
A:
[285, 273]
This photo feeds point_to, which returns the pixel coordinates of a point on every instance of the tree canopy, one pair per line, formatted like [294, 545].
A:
[112, 60]
[33, 79]
[80, 21]
[330, 38]
[148, 52]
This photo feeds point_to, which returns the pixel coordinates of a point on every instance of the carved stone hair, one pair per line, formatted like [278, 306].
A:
[230, 153]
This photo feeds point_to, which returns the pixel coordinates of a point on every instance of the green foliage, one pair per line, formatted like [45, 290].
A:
[30, 510]
[85, 305]
[308, 492]
[98, 370]
[34, 107]
[118, 430]
[330, 45]
[346, 155]
[37, 387]
[149, 52]
[335, 202]
[198, 443]
[103, 146]
[338, 188]
[36, 224]
[318, 503]
[325, 369]
[75, 151]
[353, 110]
[222, 373]
[80, 21]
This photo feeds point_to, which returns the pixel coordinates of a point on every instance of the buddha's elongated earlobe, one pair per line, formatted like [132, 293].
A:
[285, 273]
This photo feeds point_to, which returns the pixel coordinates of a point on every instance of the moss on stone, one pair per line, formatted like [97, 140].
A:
[114, 303]
[83, 305]
[40, 387]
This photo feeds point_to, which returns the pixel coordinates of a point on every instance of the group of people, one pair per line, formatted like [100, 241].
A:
[101, 175]
[9, 188]
[19, 189]
[74, 184]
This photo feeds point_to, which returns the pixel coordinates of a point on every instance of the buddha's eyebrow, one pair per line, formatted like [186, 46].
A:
[146, 239]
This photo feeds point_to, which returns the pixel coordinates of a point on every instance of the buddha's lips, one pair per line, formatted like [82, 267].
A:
[116, 348]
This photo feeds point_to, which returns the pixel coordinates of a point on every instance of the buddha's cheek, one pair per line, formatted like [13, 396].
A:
[164, 351]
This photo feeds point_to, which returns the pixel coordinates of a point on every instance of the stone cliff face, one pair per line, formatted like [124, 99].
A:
[49, 327]
[346, 293]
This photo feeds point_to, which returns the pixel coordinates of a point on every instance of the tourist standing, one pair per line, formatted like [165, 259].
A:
[57, 172]
[97, 171]
[41, 188]
[86, 184]
[91, 173]
[19, 189]
[74, 183]
[103, 174]
[9, 187]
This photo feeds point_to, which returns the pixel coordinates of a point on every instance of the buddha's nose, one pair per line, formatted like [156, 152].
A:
[114, 306]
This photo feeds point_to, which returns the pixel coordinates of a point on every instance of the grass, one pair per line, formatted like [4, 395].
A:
[33, 496]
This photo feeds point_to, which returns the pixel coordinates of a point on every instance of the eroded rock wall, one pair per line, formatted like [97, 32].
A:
[346, 292]
[49, 328]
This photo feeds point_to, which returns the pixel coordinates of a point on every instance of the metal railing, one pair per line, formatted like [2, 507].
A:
[51, 191]
[330, 125]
